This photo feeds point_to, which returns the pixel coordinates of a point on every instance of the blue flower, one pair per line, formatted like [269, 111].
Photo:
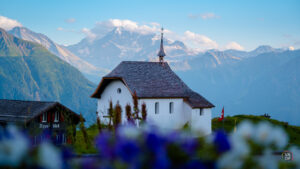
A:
[190, 145]
[103, 143]
[127, 150]
[161, 160]
[221, 141]
[89, 163]
[154, 142]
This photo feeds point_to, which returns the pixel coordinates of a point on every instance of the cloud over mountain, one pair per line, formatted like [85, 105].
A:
[234, 45]
[103, 27]
[198, 41]
[7, 23]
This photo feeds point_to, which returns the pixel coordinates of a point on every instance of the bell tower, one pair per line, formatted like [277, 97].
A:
[161, 52]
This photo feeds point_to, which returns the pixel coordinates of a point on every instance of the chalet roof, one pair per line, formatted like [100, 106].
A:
[23, 111]
[152, 80]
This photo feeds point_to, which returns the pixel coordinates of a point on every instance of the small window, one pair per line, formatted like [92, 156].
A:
[119, 90]
[156, 108]
[45, 117]
[56, 117]
[171, 107]
[201, 112]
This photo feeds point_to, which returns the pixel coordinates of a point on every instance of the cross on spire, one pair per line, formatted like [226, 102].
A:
[161, 52]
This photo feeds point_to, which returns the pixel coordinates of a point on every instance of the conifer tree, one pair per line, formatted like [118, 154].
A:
[110, 114]
[144, 112]
[98, 123]
[128, 114]
[135, 107]
[83, 130]
[117, 116]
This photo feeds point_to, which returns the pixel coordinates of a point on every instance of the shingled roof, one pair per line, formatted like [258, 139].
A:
[152, 80]
[23, 111]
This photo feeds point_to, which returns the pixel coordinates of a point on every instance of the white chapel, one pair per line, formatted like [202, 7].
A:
[170, 103]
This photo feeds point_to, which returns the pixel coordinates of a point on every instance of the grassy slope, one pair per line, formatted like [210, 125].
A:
[80, 146]
[229, 123]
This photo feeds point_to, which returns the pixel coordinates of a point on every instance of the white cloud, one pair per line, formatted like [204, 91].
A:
[199, 42]
[88, 33]
[103, 27]
[234, 45]
[204, 16]
[70, 20]
[8, 24]
[60, 29]
[209, 16]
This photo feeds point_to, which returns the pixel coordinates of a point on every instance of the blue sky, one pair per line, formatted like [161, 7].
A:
[249, 24]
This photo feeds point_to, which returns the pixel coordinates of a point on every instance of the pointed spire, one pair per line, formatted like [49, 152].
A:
[161, 52]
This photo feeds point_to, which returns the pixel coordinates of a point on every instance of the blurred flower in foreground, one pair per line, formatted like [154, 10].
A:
[49, 156]
[13, 146]
[251, 146]
[221, 141]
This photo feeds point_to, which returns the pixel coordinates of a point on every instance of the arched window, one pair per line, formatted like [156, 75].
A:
[119, 90]
[171, 107]
[156, 107]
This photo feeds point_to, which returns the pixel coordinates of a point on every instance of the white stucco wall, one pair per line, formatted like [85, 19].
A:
[182, 113]
[110, 93]
[164, 119]
[201, 123]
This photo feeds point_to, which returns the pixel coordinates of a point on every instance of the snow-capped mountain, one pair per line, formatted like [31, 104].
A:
[121, 44]
[58, 50]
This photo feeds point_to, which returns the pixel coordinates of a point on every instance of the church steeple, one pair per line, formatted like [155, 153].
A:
[161, 52]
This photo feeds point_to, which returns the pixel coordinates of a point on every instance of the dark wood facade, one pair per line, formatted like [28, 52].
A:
[42, 120]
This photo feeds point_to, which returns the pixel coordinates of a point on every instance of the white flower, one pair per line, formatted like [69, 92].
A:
[13, 148]
[239, 146]
[268, 160]
[245, 130]
[129, 131]
[49, 156]
[279, 137]
[230, 160]
[267, 134]
[263, 133]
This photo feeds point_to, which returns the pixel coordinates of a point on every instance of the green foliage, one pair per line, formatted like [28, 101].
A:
[231, 121]
[129, 114]
[135, 106]
[84, 133]
[92, 131]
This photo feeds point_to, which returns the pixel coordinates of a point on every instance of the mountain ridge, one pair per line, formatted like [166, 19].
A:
[87, 68]
[39, 75]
